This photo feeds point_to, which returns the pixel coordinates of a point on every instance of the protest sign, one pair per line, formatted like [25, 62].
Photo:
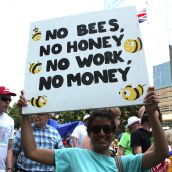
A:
[86, 61]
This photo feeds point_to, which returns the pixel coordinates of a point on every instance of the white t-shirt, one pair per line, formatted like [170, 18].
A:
[80, 132]
[6, 133]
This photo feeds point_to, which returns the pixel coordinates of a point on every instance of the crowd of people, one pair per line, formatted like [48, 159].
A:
[95, 146]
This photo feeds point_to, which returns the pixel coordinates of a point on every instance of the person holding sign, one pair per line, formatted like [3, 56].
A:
[101, 129]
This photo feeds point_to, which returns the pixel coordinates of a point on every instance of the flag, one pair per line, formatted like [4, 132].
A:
[142, 15]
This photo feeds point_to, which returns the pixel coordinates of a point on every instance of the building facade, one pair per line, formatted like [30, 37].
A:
[165, 96]
[162, 75]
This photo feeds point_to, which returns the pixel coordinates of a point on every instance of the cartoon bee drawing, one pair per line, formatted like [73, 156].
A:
[38, 102]
[36, 35]
[35, 68]
[133, 45]
[129, 93]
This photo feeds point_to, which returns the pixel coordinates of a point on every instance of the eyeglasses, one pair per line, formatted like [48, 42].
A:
[5, 99]
[97, 128]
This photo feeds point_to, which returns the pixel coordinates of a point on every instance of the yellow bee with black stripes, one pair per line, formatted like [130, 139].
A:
[36, 35]
[129, 93]
[133, 45]
[35, 68]
[39, 101]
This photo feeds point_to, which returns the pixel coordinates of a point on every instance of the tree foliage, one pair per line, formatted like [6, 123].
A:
[71, 116]
[14, 112]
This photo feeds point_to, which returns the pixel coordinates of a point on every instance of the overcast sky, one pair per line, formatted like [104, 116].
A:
[15, 17]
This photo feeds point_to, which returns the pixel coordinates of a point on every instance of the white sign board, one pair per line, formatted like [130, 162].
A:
[86, 61]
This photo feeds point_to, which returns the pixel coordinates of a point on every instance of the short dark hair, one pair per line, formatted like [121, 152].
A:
[144, 118]
[116, 111]
[101, 114]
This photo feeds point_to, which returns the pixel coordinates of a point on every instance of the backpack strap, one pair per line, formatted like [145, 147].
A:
[118, 163]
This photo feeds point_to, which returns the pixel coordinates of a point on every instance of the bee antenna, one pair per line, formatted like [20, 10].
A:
[35, 28]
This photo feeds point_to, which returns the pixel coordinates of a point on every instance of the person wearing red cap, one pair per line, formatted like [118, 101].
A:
[6, 130]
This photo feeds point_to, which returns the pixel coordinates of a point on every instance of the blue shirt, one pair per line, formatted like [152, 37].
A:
[83, 160]
[48, 138]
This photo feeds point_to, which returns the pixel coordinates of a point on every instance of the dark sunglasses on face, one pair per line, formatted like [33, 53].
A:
[5, 99]
[97, 128]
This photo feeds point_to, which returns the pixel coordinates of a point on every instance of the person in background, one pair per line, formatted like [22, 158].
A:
[141, 139]
[6, 130]
[45, 137]
[117, 116]
[79, 133]
[101, 130]
[125, 141]
[168, 134]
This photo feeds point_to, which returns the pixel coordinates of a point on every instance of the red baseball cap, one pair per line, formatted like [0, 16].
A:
[6, 91]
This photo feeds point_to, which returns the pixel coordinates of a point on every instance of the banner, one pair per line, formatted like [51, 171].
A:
[86, 61]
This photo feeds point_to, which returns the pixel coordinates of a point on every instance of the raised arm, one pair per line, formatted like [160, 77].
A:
[160, 151]
[45, 156]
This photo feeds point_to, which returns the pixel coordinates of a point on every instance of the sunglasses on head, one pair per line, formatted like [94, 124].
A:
[97, 128]
[5, 99]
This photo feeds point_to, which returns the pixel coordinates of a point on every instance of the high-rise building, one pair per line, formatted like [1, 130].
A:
[162, 75]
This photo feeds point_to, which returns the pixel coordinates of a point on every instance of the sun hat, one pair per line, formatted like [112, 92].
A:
[132, 120]
[86, 116]
[6, 91]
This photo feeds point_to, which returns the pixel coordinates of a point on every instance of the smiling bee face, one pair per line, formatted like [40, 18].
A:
[129, 93]
[35, 68]
[132, 46]
[36, 35]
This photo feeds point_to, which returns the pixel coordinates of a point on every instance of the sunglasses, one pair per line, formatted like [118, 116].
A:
[97, 128]
[5, 99]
